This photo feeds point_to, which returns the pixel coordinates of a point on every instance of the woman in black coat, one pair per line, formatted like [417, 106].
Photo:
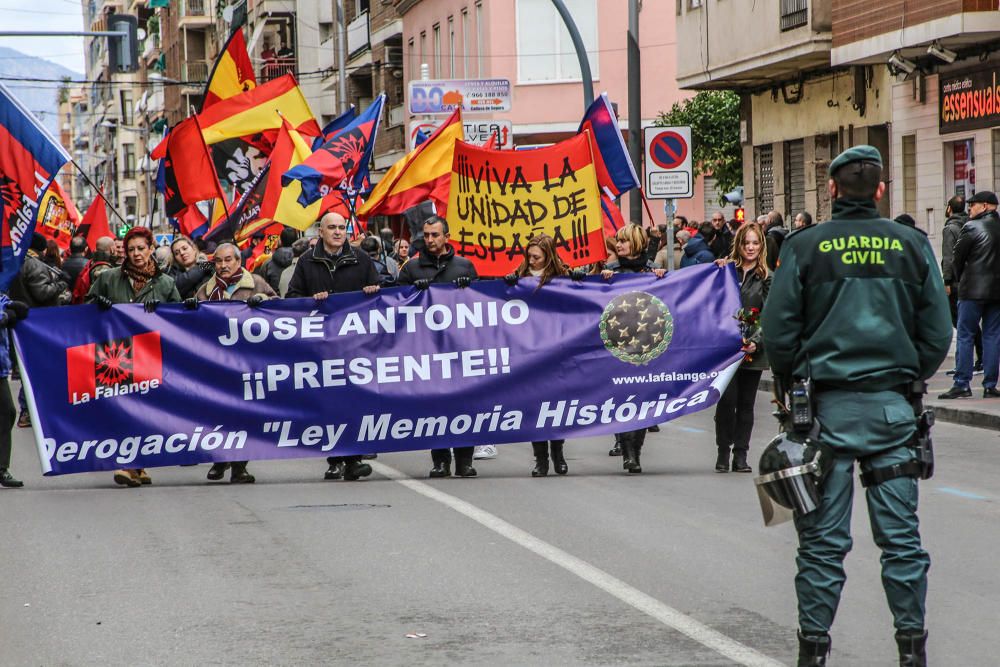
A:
[631, 243]
[734, 412]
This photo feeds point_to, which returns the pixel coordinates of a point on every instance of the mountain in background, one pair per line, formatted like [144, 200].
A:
[40, 97]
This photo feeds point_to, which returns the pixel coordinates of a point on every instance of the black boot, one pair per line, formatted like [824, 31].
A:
[813, 650]
[7, 480]
[354, 469]
[558, 461]
[722, 460]
[217, 471]
[463, 462]
[442, 463]
[912, 648]
[637, 441]
[240, 474]
[740, 461]
[336, 469]
[541, 451]
[617, 449]
[630, 453]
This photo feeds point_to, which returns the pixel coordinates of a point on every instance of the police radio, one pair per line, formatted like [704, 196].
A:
[800, 404]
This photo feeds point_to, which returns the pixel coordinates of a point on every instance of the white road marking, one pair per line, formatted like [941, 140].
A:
[631, 596]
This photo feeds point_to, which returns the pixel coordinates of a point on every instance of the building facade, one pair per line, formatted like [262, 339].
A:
[798, 108]
[525, 41]
[942, 55]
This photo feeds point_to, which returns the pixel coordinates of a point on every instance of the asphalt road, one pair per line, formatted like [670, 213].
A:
[671, 567]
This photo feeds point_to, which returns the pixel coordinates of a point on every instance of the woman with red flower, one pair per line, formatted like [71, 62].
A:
[734, 412]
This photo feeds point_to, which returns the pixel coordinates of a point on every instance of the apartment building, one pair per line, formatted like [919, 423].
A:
[943, 57]
[798, 108]
[526, 42]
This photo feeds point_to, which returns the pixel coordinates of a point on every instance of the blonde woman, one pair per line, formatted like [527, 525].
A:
[734, 412]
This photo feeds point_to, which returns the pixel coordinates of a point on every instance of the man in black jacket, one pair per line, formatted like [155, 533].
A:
[437, 263]
[957, 217]
[975, 265]
[722, 245]
[76, 261]
[330, 267]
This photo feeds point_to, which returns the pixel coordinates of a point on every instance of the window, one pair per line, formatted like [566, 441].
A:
[465, 43]
[795, 177]
[451, 46]
[423, 55]
[910, 172]
[437, 51]
[479, 39]
[411, 57]
[545, 50]
[128, 161]
[694, 4]
[794, 13]
[126, 102]
[326, 32]
[360, 6]
[763, 157]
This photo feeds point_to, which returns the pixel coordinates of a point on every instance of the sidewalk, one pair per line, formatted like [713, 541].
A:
[976, 411]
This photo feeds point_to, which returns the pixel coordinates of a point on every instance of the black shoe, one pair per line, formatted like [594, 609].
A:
[740, 462]
[653, 429]
[541, 452]
[630, 456]
[440, 470]
[217, 471]
[813, 650]
[7, 480]
[241, 476]
[369, 457]
[616, 450]
[541, 468]
[722, 460]
[355, 470]
[957, 392]
[464, 471]
[978, 368]
[912, 648]
[558, 460]
[991, 392]
[335, 471]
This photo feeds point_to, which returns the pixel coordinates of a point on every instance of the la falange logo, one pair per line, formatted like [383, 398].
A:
[117, 367]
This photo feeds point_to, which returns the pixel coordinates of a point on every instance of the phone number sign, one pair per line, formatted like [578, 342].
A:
[471, 95]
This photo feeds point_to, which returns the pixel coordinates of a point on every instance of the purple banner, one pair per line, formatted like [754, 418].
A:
[353, 374]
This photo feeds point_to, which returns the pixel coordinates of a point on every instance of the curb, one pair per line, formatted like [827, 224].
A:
[974, 418]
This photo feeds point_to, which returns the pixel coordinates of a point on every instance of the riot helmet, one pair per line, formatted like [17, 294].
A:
[792, 468]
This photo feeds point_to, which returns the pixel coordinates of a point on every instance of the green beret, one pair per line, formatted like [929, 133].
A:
[863, 153]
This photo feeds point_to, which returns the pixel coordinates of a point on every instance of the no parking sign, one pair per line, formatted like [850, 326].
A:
[668, 162]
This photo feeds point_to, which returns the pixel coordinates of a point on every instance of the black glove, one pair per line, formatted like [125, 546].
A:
[577, 274]
[206, 266]
[150, 306]
[20, 309]
[191, 304]
[510, 279]
[463, 281]
[423, 283]
[103, 302]
[256, 300]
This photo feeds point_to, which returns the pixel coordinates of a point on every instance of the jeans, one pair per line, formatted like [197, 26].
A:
[734, 411]
[970, 313]
[953, 305]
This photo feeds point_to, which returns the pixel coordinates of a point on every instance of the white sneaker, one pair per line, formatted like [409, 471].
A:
[485, 452]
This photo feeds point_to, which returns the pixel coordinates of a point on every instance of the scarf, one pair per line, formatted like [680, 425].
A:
[637, 264]
[220, 285]
[139, 277]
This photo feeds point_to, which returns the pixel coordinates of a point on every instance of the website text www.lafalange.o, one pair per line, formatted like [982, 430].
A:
[664, 376]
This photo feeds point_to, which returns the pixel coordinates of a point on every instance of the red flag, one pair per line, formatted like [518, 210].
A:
[95, 222]
[232, 73]
[190, 173]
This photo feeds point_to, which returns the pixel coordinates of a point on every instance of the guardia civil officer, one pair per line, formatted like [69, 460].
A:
[858, 305]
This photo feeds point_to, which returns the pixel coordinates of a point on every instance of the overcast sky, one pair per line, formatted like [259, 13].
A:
[45, 15]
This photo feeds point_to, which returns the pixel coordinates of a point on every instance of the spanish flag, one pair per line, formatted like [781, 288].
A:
[253, 112]
[423, 174]
[232, 73]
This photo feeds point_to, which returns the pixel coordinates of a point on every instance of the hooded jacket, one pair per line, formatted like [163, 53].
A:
[696, 251]
[949, 237]
[280, 260]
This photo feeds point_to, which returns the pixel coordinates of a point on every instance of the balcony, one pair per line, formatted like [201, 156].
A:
[865, 32]
[779, 41]
[276, 68]
[357, 35]
[194, 73]
[194, 13]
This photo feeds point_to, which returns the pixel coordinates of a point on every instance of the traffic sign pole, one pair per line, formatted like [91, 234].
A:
[668, 211]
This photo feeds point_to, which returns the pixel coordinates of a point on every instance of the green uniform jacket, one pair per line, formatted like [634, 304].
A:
[862, 299]
[114, 285]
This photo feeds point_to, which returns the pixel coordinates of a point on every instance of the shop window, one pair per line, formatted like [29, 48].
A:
[960, 167]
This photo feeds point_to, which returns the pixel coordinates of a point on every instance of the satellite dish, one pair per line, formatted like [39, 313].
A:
[227, 13]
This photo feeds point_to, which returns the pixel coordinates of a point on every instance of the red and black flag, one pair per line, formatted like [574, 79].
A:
[121, 361]
[189, 173]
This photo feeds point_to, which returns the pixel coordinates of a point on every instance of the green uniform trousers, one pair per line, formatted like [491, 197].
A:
[873, 428]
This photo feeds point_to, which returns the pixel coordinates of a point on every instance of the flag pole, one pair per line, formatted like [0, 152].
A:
[100, 191]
